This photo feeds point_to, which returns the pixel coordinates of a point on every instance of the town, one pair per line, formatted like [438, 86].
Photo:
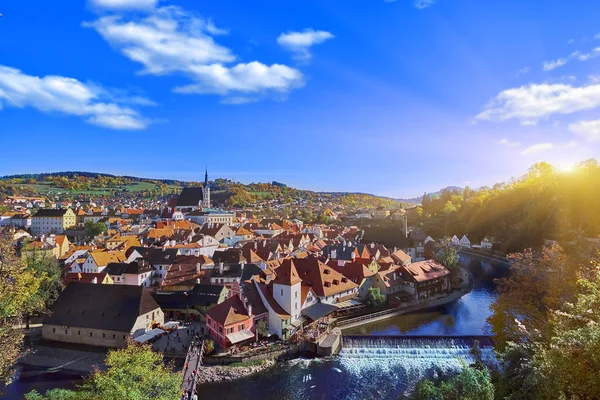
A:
[246, 287]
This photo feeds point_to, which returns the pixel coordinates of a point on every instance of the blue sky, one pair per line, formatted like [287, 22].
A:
[387, 97]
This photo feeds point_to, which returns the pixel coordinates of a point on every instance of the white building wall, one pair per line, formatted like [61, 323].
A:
[288, 297]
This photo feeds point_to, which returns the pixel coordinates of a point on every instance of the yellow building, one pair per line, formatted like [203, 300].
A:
[47, 221]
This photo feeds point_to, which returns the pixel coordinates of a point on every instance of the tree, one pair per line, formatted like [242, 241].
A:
[94, 229]
[262, 328]
[375, 298]
[448, 257]
[134, 373]
[538, 283]
[470, 384]
[209, 346]
[18, 285]
[571, 357]
[48, 272]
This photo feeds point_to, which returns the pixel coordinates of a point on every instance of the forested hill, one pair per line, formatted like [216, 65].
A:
[544, 204]
[223, 191]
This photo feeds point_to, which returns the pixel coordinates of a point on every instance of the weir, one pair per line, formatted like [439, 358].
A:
[417, 347]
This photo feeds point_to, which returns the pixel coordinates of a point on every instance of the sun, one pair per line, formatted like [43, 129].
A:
[566, 168]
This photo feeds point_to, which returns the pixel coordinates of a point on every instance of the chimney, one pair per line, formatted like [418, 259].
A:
[197, 280]
[249, 310]
[95, 280]
[333, 254]
[198, 267]
[221, 267]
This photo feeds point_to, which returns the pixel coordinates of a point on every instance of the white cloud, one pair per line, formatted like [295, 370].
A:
[550, 65]
[421, 4]
[537, 148]
[571, 41]
[576, 55]
[170, 40]
[253, 77]
[590, 130]
[508, 143]
[530, 103]
[124, 4]
[522, 71]
[597, 36]
[301, 42]
[64, 95]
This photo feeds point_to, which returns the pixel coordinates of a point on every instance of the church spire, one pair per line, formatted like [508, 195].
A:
[206, 178]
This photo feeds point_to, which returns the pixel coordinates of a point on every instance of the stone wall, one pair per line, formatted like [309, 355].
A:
[290, 351]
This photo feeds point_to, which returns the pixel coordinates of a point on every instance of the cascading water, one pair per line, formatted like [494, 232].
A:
[411, 358]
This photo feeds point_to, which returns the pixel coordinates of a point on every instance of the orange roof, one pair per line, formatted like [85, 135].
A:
[287, 274]
[104, 258]
[231, 311]
[60, 239]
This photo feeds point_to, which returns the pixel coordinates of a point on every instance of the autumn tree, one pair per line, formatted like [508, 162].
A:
[18, 287]
[133, 373]
[538, 283]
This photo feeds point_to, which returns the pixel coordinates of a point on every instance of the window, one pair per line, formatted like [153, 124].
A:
[53, 330]
[103, 335]
[281, 292]
[296, 293]
[123, 337]
[66, 332]
[241, 327]
[78, 333]
[90, 334]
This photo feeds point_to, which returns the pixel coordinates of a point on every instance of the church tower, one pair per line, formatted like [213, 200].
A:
[206, 191]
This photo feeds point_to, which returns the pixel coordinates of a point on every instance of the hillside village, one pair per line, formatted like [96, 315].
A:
[130, 270]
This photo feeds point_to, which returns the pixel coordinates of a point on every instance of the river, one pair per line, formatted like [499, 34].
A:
[379, 370]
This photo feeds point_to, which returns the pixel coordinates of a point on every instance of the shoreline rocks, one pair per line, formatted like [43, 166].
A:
[224, 373]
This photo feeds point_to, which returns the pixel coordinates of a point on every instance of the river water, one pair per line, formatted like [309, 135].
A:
[383, 368]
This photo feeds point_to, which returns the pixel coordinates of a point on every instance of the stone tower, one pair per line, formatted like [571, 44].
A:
[206, 191]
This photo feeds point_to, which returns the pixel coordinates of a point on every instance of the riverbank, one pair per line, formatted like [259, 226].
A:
[418, 305]
[233, 371]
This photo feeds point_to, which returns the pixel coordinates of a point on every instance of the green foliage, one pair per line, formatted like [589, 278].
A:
[262, 328]
[94, 229]
[448, 257]
[470, 384]
[538, 283]
[134, 373]
[209, 346]
[368, 201]
[571, 356]
[375, 298]
[543, 204]
[48, 272]
[556, 348]
[18, 287]
[56, 394]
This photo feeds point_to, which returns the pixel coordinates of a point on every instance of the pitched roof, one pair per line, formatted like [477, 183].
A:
[109, 307]
[400, 256]
[287, 274]
[51, 212]
[426, 270]
[231, 311]
[190, 197]
[128, 268]
[103, 258]
[324, 280]
[251, 293]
